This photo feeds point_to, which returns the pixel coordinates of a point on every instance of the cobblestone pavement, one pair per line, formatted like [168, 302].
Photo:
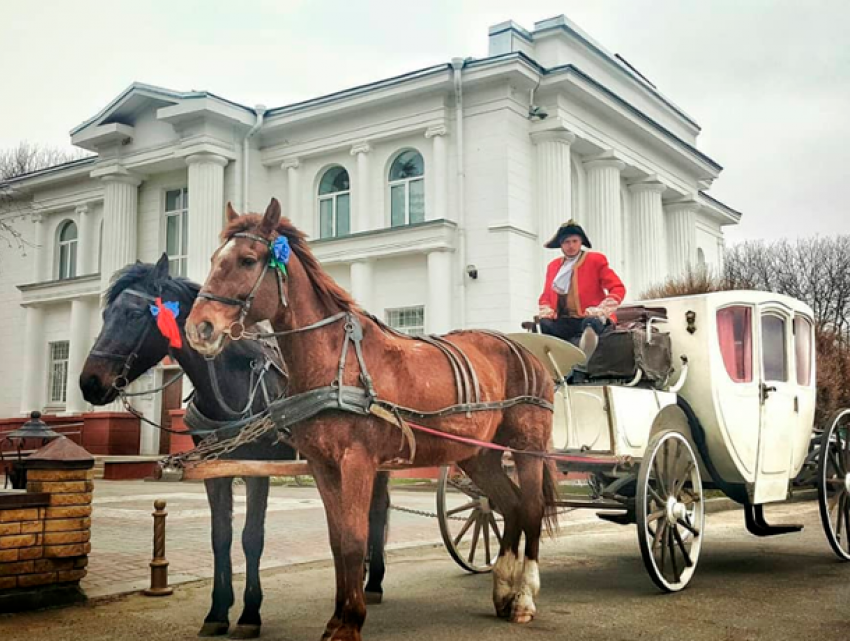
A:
[296, 532]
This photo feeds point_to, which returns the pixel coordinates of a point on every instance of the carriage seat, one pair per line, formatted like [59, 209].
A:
[624, 349]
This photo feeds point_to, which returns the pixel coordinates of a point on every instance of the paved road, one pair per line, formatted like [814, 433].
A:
[296, 531]
[594, 588]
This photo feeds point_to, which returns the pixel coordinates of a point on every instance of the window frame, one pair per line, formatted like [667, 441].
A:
[51, 373]
[405, 183]
[178, 264]
[67, 251]
[333, 198]
[404, 329]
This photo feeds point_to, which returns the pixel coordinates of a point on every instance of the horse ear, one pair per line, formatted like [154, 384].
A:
[161, 269]
[230, 213]
[271, 217]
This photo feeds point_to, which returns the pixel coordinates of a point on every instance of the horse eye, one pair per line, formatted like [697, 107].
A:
[247, 261]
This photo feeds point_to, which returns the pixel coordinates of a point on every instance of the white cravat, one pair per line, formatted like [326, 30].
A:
[563, 278]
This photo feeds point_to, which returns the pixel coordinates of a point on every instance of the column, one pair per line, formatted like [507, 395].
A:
[362, 218]
[290, 167]
[42, 263]
[681, 237]
[206, 211]
[438, 174]
[86, 253]
[649, 250]
[78, 349]
[362, 275]
[120, 225]
[554, 188]
[438, 306]
[604, 215]
[33, 376]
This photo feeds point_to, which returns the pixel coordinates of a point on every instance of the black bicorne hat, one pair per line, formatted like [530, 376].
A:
[569, 228]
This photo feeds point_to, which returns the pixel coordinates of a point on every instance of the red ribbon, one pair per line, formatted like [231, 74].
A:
[167, 324]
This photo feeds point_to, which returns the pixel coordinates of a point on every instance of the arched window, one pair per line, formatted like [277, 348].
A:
[67, 250]
[700, 258]
[407, 189]
[334, 203]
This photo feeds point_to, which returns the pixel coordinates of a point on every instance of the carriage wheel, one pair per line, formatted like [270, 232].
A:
[670, 511]
[834, 483]
[468, 518]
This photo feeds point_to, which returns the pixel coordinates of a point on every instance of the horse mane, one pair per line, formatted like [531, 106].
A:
[141, 275]
[328, 291]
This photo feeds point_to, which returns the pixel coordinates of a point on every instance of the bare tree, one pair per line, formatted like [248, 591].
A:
[18, 161]
[814, 270]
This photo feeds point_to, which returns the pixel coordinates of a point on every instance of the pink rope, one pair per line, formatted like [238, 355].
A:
[568, 458]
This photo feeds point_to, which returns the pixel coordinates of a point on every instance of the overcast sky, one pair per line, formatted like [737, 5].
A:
[768, 81]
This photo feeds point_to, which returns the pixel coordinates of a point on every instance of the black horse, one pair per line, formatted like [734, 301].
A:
[129, 344]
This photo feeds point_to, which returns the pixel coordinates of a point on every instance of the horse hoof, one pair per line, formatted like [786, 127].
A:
[522, 617]
[523, 612]
[245, 631]
[374, 598]
[213, 629]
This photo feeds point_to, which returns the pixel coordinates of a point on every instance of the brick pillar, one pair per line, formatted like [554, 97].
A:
[45, 533]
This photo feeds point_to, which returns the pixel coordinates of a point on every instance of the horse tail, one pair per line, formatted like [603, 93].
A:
[550, 497]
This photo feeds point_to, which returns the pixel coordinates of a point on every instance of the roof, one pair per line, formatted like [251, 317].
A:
[153, 92]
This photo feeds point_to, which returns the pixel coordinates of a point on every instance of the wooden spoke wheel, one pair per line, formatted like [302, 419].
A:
[670, 511]
[470, 525]
[834, 483]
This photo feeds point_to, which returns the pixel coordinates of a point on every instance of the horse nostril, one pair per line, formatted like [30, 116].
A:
[205, 330]
[90, 386]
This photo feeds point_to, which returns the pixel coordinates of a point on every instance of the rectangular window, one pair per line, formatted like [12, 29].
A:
[417, 200]
[734, 333]
[176, 230]
[408, 320]
[397, 204]
[326, 218]
[58, 382]
[803, 350]
[774, 354]
[343, 215]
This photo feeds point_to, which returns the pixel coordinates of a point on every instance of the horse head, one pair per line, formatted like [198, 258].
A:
[131, 342]
[247, 280]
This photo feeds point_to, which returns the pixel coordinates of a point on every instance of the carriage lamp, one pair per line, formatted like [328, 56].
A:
[34, 429]
[691, 319]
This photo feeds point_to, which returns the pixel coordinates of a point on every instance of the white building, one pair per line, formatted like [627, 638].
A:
[427, 195]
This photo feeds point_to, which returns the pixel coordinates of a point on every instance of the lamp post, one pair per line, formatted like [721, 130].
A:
[35, 429]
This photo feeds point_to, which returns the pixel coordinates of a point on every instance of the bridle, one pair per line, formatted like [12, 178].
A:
[236, 331]
[121, 381]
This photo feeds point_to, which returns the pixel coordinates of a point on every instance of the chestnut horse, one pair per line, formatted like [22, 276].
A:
[317, 320]
[129, 328]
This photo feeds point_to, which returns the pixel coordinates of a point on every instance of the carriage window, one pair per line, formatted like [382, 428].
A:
[409, 320]
[58, 383]
[803, 350]
[176, 230]
[773, 352]
[735, 334]
[407, 189]
[334, 203]
[68, 250]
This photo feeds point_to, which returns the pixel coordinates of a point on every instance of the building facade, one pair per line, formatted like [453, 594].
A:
[428, 196]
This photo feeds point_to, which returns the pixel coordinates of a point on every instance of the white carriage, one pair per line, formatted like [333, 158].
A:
[737, 415]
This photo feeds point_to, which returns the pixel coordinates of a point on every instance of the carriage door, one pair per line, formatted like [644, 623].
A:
[778, 418]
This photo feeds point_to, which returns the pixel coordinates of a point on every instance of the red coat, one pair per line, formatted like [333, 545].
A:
[592, 281]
